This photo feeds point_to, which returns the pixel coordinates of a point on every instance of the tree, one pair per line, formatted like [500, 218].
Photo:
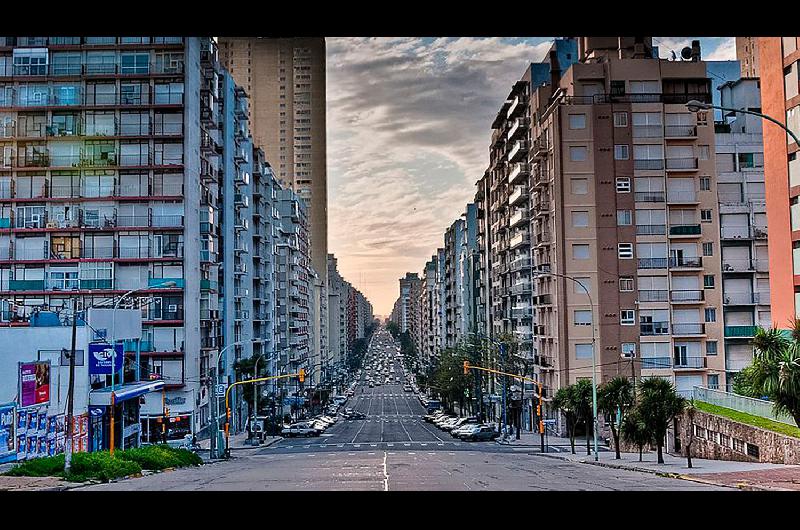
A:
[614, 399]
[658, 404]
[743, 383]
[394, 329]
[634, 431]
[775, 371]
[584, 412]
[564, 400]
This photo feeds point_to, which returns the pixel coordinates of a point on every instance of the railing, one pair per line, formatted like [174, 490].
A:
[648, 164]
[681, 164]
[651, 230]
[693, 363]
[685, 230]
[744, 265]
[518, 169]
[656, 363]
[520, 263]
[691, 328]
[742, 298]
[687, 295]
[691, 262]
[649, 196]
[680, 131]
[653, 263]
[748, 405]
[519, 239]
[647, 131]
[735, 232]
[681, 197]
[653, 295]
[654, 328]
[518, 193]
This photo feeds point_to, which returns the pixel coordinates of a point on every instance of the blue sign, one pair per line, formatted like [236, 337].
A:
[100, 359]
[8, 451]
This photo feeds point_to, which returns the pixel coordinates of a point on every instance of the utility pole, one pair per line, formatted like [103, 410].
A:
[71, 390]
[540, 412]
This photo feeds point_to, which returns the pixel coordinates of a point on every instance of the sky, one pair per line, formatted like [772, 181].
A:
[409, 122]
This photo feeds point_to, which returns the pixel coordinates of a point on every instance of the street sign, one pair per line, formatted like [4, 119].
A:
[550, 422]
[221, 388]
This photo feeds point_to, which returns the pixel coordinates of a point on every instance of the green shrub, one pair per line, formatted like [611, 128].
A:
[51, 466]
[101, 466]
[152, 457]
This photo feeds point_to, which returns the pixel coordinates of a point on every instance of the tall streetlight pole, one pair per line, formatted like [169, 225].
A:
[164, 285]
[695, 105]
[594, 352]
[214, 453]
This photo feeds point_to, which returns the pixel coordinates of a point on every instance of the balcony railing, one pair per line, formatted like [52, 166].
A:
[681, 164]
[680, 131]
[647, 131]
[653, 295]
[649, 164]
[743, 265]
[743, 298]
[740, 331]
[653, 263]
[519, 193]
[656, 363]
[691, 363]
[681, 197]
[649, 196]
[651, 230]
[687, 295]
[517, 170]
[689, 262]
[654, 328]
[685, 230]
[692, 328]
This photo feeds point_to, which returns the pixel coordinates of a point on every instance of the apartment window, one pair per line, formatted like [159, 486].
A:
[577, 153]
[623, 184]
[581, 286]
[626, 284]
[711, 347]
[583, 351]
[577, 121]
[582, 317]
[705, 183]
[711, 314]
[168, 93]
[705, 216]
[579, 186]
[708, 249]
[628, 350]
[621, 152]
[625, 250]
[620, 119]
[580, 219]
[627, 317]
[713, 382]
[134, 63]
[624, 218]
[580, 251]
[708, 281]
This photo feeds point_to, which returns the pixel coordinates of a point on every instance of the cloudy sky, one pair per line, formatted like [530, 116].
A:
[408, 131]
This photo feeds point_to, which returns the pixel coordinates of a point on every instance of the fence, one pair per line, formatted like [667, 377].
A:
[748, 405]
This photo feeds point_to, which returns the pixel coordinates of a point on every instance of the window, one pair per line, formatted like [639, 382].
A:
[708, 281]
[705, 216]
[705, 183]
[582, 317]
[579, 186]
[623, 184]
[583, 351]
[168, 93]
[577, 121]
[577, 153]
[579, 285]
[624, 217]
[704, 152]
[134, 63]
[628, 349]
[625, 250]
[31, 61]
[620, 119]
[627, 317]
[580, 219]
[708, 249]
[711, 347]
[580, 251]
[738, 445]
[711, 314]
[621, 152]
[626, 284]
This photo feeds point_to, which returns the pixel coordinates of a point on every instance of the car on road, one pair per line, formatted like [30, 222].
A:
[445, 418]
[355, 415]
[300, 429]
[430, 418]
[461, 423]
[406, 388]
[479, 433]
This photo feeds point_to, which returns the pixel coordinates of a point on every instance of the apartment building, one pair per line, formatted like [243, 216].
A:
[743, 225]
[748, 55]
[108, 177]
[402, 313]
[778, 72]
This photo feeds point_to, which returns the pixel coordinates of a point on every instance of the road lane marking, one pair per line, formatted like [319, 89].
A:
[385, 473]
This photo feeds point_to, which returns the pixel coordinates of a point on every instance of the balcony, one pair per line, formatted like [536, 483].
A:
[521, 288]
[688, 262]
[744, 298]
[681, 164]
[689, 329]
[651, 230]
[687, 296]
[239, 269]
[517, 195]
[744, 265]
[682, 197]
[154, 283]
[740, 332]
[648, 164]
[649, 196]
[680, 132]
[652, 263]
[518, 171]
[654, 328]
[519, 240]
[519, 216]
[543, 239]
[689, 363]
[653, 295]
[656, 363]
[520, 147]
[240, 292]
[26, 285]
[544, 361]
[685, 230]
[515, 106]
[522, 312]
[242, 315]
[647, 131]
[520, 263]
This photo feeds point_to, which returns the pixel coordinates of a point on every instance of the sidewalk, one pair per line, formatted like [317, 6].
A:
[534, 440]
[237, 443]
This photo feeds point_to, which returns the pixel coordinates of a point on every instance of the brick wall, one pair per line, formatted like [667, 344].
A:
[719, 438]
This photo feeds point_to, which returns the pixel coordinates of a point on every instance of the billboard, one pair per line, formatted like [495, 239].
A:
[34, 383]
[100, 359]
[8, 441]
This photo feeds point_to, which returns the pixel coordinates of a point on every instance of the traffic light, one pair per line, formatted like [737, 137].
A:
[466, 367]
[302, 375]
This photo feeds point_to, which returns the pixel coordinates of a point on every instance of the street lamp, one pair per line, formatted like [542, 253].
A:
[165, 285]
[594, 352]
[695, 105]
[215, 415]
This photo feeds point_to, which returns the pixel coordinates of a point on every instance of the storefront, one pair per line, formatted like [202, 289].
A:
[127, 425]
[155, 430]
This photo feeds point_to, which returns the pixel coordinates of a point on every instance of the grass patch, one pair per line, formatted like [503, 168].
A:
[749, 419]
[101, 466]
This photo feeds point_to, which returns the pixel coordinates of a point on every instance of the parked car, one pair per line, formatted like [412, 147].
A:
[300, 429]
[479, 433]
[461, 423]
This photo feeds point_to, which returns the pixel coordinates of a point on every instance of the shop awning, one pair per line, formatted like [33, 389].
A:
[102, 397]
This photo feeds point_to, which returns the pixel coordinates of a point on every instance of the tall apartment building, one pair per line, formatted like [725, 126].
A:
[778, 72]
[743, 223]
[404, 306]
[748, 55]
[108, 178]
[285, 79]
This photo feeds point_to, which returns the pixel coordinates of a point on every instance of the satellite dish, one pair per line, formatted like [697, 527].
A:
[686, 53]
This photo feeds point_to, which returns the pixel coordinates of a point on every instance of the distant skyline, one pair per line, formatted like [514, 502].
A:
[409, 121]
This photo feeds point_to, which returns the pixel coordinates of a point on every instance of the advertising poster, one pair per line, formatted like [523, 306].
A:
[60, 443]
[33, 421]
[22, 421]
[34, 383]
[30, 445]
[21, 447]
[41, 446]
[43, 422]
[60, 423]
[100, 359]
[51, 447]
[8, 439]
[51, 427]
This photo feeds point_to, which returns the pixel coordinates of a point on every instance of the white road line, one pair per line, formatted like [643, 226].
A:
[385, 474]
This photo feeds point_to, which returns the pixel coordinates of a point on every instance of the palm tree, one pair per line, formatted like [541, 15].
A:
[564, 400]
[614, 399]
[775, 371]
[658, 404]
[583, 408]
[634, 431]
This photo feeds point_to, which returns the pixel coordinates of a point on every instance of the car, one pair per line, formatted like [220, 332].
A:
[300, 429]
[444, 418]
[480, 433]
[462, 423]
[463, 429]
[355, 415]
[318, 424]
[447, 426]
[327, 420]
[434, 416]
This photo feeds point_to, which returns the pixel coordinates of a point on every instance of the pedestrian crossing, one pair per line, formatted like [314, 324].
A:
[366, 445]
